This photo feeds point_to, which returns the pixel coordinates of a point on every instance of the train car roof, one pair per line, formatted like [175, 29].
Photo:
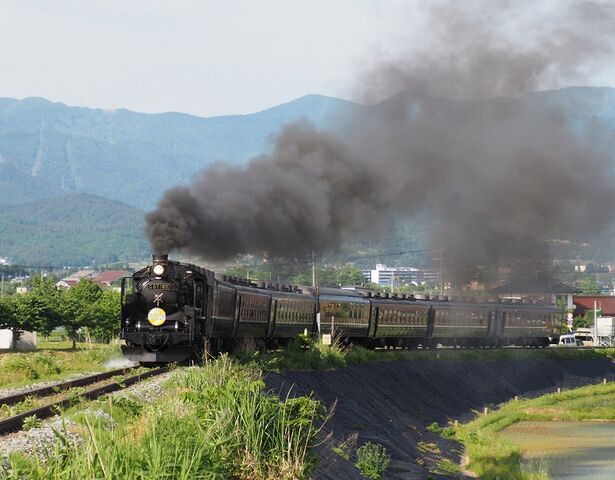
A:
[337, 291]
[282, 294]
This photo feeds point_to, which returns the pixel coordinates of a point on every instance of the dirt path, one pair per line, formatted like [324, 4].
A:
[392, 403]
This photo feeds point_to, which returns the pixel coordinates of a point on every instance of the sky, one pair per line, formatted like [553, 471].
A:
[199, 56]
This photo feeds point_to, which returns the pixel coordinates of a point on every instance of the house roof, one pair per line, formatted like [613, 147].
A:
[110, 276]
[538, 284]
[604, 303]
[81, 274]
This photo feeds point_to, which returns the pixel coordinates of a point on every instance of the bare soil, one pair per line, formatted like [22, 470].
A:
[392, 403]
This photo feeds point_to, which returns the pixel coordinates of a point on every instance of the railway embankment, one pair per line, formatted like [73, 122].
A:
[397, 404]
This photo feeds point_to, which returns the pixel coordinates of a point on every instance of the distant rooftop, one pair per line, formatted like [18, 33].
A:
[109, 276]
[81, 274]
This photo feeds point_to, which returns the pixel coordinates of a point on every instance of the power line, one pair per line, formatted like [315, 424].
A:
[48, 267]
[392, 254]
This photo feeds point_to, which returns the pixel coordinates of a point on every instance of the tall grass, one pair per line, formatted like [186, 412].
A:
[216, 422]
[304, 353]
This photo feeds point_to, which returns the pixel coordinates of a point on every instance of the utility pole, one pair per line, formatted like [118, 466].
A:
[441, 272]
[313, 268]
[595, 321]
[316, 293]
[2, 288]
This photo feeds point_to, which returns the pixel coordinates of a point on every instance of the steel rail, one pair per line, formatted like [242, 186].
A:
[58, 387]
[15, 423]
[505, 348]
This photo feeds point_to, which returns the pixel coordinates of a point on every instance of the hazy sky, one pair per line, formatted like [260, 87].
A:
[199, 56]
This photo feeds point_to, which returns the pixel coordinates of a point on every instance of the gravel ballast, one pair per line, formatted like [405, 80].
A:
[37, 440]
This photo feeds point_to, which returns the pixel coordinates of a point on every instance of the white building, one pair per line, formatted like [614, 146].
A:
[26, 342]
[396, 276]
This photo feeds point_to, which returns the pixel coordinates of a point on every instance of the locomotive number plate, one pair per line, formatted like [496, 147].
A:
[159, 286]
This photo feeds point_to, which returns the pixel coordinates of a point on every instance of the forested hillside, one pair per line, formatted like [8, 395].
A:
[77, 229]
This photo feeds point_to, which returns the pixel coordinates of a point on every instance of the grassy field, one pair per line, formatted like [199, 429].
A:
[212, 422]
[307, 354]
[53, 361]
[491, 456]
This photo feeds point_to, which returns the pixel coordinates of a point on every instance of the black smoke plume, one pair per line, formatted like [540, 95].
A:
[496, 173]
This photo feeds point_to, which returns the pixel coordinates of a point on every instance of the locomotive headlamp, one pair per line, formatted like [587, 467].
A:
[156, 316]
[158, 269]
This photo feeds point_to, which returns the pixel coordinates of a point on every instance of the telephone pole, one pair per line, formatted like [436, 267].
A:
[314, 283]
[441, 272]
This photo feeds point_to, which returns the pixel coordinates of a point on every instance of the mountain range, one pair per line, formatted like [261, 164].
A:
[71, 177]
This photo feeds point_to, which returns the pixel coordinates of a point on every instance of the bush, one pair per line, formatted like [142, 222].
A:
[21, 365]
[372, 460]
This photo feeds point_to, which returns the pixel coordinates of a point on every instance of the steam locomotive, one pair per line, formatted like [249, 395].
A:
[174, 311]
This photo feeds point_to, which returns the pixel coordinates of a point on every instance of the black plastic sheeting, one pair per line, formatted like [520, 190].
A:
[392, 403]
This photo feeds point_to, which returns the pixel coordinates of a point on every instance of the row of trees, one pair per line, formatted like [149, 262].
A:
[85, 308]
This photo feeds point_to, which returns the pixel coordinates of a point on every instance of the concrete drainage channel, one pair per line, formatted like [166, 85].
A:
[15, 422]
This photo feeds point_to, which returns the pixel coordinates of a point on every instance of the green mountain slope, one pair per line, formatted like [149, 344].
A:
[48, 149]
[77, 229]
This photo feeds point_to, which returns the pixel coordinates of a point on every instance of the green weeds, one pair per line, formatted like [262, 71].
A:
[18, 369]
[372, 460]
[31, 422]
[491, 456]
[214, 422]
[304, 353]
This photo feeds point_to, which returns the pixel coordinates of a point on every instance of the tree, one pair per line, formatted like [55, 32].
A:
[45, 297]
[334, 276]
[8, 319]
[105, 316]
[587, 320]
[347, 275]
[589, 286]
[33, 311]
[21, 313]
[77, 307]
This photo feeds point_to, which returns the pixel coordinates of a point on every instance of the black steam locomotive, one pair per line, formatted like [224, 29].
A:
[173, 311]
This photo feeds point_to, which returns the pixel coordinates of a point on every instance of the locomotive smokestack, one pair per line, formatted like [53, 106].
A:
[156, 258]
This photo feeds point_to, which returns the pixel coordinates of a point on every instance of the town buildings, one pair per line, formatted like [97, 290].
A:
[385, 276]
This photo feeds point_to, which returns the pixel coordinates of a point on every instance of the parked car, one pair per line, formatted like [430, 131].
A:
[569, 340]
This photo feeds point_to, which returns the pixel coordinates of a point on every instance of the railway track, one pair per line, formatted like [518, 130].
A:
[14, 423]
[506, 348]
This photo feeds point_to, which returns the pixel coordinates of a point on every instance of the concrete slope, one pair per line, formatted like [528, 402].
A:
[392, 403]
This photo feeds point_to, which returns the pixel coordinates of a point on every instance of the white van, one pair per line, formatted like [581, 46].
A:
[569, 340]
[585, 336]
